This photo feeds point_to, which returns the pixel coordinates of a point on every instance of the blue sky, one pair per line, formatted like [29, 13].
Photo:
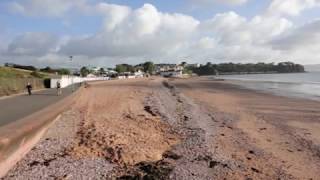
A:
[108, 32]
[17, 23]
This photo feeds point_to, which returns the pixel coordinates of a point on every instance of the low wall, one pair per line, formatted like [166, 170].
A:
[17, 139]
[10, 86]
[66, 81]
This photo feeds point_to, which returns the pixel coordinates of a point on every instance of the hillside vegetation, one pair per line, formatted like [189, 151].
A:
[232, 68]
[8, 72]
[14, 80]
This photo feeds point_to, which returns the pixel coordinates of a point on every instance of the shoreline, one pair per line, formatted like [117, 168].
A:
[178, 129]
[301, 90]
[248, 73]
[283, 130]
[249, 85]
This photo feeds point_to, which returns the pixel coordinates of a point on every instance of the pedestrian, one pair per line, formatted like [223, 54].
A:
[59, 91]
[29, 88]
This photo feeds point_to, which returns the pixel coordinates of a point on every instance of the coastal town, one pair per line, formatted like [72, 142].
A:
[153, 121]
[48, 77]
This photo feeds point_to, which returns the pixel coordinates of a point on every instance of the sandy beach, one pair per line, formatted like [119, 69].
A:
[193, 128]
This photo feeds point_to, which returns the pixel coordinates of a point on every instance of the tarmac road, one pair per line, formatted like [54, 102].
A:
[15, 108]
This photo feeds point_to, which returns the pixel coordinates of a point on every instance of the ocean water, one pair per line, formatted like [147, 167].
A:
[301, 85]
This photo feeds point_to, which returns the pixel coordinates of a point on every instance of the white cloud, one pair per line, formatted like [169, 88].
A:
[300, 44]
[212, 2]
[232, 29]
[48, 8]
[114, 14]
[33, 44]
[304, 37]
[132, 35]
[291, 7]
[135, 33]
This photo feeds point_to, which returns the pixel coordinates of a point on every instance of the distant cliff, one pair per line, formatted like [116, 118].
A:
[250, 68]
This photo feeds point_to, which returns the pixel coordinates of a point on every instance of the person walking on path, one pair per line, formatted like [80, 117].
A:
[29, 88]
[59, 91]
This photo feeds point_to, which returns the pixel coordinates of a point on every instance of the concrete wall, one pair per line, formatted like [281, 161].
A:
[69, 80]
[10, 86]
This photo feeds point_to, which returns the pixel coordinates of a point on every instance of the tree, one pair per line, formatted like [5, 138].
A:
[187, 71]
[84, 71]
[48, 70]
[36, 74]
[102, 71]
[231, 68]
[120, 68]
[30, 68]
[184, 64]
[148, 67]
[64, 71]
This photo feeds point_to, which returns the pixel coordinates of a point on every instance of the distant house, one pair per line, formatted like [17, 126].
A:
[95, 69]
[75, 71]
[168, 67]
[91, 76]
[139, 74]
[9, 65]
[169, 70]
[126, 75]
[110, 72]
[171, 73]
[196, 65]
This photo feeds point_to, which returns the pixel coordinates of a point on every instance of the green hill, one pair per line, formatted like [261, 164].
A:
[8, 72]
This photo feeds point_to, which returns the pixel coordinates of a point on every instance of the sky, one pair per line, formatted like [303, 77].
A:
[108, 32]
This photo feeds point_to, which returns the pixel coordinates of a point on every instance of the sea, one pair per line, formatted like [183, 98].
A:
[299, 85]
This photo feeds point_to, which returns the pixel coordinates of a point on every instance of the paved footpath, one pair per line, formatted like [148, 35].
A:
[17, 107]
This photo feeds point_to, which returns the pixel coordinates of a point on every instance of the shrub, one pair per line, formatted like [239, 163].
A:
[36, 74]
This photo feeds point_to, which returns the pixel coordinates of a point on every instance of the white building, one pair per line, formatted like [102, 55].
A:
[139, 74]
[196, 65]
[171, 73]
[168, 67]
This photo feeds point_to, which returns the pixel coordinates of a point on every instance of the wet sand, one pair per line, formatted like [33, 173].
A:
[265, 136]
[178, 129]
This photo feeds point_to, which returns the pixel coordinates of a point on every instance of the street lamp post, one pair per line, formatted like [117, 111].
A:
[72, 85]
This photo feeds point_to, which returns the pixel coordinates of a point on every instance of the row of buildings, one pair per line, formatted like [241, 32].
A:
[172, 70]
[165, 70]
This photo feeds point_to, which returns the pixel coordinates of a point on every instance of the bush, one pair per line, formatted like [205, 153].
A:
[64, 71]
[36, 74]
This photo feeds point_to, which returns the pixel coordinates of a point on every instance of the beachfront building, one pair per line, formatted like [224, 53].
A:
[91, 75]
[169, 70]
[95, 70]
[139, 74]
[130, 75]
[196, 65]
[171, 73]
[168, 67]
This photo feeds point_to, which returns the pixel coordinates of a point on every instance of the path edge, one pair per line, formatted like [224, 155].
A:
[18, 138]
